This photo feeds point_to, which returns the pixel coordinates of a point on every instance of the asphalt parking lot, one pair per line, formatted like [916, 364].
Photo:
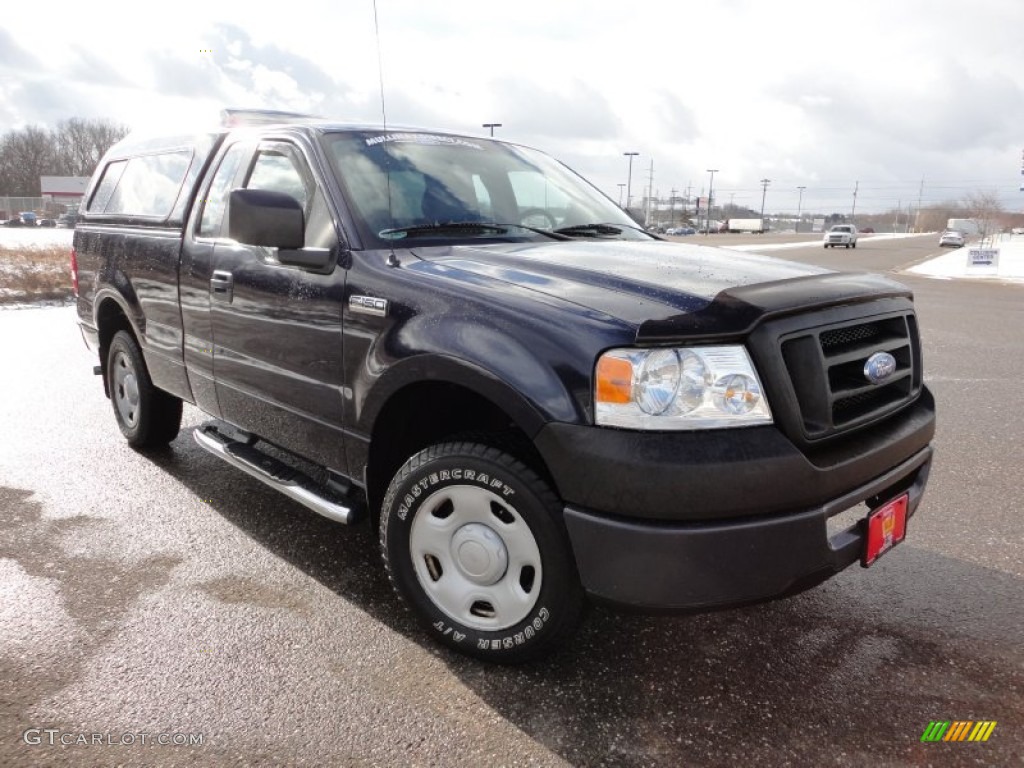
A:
[168, 597]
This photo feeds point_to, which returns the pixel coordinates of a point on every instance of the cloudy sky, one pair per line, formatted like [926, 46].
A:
[875, 93]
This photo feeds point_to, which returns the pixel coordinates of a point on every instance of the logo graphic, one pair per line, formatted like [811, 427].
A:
[958, 730]
[879, 367]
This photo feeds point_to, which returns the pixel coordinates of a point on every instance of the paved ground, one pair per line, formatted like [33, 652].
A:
[171, 594]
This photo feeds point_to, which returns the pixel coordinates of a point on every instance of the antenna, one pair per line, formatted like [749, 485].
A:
[392, 258]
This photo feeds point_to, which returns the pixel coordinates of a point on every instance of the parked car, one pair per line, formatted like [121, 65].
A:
[46, 223]
[66, 221]
[868, 231]
[953, 238]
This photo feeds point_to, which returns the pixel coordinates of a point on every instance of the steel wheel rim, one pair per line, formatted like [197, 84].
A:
[475, 557]
[125, 389]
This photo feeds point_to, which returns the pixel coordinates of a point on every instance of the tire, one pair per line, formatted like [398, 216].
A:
[511, 593]
[825, 246]
[853, 245]
[147, 417]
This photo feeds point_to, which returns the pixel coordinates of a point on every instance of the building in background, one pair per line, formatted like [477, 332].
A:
[64, 192]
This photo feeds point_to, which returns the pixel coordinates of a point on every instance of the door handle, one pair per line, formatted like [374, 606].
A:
[221, 286]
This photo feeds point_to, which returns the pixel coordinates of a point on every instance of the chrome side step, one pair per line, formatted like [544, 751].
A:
[275, 473]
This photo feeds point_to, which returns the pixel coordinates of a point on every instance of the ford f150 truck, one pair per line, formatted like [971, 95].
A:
[533, 401]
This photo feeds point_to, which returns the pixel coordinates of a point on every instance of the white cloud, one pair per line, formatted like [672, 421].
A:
[805, 93]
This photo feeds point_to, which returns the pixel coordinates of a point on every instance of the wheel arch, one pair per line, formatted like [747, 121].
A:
[426, 412]
[111, 316]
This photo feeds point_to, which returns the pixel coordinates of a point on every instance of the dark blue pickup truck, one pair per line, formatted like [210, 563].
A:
[534, 401]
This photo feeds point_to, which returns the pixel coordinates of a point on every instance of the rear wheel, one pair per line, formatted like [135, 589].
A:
[148, 417]
[473, 540]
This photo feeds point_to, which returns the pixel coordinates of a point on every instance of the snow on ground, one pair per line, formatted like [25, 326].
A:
[956, 263]
[35, 237]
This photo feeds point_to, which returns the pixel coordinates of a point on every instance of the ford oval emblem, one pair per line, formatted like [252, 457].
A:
[879, 367]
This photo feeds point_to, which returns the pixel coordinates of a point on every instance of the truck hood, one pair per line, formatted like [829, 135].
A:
[665, 289]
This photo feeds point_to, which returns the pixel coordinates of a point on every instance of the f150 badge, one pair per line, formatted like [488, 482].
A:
[369, 305]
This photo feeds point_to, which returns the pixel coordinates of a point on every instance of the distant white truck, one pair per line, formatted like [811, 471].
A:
[745, 225]
[969, 227]
[841, 234]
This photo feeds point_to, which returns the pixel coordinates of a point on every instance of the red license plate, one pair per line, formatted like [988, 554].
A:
[886, 527]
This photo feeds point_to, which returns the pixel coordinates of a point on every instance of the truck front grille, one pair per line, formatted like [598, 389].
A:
[826, 367]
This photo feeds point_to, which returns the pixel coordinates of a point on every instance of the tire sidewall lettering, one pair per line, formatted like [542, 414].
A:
[416, 489]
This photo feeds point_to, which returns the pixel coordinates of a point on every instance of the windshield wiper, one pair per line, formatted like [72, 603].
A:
[466, 227]
[590, 230]
[412, 230]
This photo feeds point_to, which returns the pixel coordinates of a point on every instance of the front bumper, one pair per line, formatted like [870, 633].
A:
[662, 567]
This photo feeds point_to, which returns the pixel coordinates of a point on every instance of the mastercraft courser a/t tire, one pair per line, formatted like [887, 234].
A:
[473, 540]
[147, 417]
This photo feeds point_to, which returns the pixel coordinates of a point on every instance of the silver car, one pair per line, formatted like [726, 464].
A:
[954, 238]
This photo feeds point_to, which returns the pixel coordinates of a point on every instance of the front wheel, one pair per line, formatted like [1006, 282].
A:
[148, 417]
[473, 541]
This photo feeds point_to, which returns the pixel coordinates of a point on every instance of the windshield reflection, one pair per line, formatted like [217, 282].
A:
[421, 186]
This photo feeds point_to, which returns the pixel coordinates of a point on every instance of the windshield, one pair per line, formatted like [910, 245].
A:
[420, 188]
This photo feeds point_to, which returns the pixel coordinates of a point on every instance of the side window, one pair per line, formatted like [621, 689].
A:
[276, 171]
[216, 202]
[148, 185]
[105, 188]
[281, 168]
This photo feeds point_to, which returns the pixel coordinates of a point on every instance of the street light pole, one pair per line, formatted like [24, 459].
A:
[621, 187]
[492, 126]
[711, 187]
[629, 178]
[799, 207]
[764, 193]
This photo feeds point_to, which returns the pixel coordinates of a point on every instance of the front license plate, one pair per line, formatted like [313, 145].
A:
[886, 527]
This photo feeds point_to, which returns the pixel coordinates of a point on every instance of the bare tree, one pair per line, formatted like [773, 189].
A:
[984, 207]
[74, 148]
[25, 155]
[79, 144]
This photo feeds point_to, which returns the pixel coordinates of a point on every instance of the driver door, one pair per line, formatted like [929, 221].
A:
[277, 329]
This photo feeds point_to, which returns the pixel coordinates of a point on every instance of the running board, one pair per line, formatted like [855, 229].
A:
[275, 473]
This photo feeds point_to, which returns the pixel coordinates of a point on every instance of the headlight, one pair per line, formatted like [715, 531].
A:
[679, 388]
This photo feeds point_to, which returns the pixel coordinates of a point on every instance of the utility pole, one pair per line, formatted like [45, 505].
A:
[799, 206]
[650, 196]
[672, 206]
[917, 215]
[853, 210]
[711, 187]
[764, 192]
[629, 178]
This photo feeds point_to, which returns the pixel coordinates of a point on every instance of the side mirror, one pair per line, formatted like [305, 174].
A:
[267, 218]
